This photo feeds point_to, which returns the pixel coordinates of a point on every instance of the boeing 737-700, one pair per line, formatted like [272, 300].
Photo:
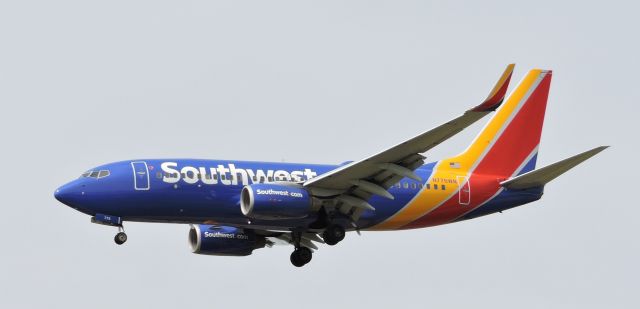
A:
[235, 207]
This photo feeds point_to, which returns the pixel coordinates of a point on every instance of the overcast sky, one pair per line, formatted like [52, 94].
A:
[83, 83]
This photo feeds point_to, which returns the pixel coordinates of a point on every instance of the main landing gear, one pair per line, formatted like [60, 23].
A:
[301, 255]
[333, 234]
[121, 237]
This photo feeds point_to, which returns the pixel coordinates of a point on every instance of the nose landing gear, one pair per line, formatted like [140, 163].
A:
[121, 237]
[110, 220]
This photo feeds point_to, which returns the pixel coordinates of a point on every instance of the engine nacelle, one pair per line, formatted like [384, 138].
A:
[275, 201]
[223, 240]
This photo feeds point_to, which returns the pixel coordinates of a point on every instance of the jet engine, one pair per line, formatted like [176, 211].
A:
[275, 201]
[224, 240]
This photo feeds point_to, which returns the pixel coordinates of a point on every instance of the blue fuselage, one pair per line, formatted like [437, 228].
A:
[208, 191]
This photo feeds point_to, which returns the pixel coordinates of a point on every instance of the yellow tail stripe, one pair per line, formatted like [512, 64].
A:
[428, 200]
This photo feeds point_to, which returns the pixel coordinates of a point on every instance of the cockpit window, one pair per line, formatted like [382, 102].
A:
[96, 174]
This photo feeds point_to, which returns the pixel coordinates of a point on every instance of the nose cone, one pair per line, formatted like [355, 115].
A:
[68, 194]
[61, 195]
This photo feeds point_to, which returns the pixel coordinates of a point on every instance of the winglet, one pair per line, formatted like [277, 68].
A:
[497, 94]
[542, 176]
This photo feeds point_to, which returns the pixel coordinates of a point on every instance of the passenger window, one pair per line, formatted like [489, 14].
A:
[443, 187]
[270, 179]
[254, 178]
[223, 177]
[398, 185]
[215, 176]
[414, 186]
[435, 187]
[406, 185]
[429, 186]
[421, 185]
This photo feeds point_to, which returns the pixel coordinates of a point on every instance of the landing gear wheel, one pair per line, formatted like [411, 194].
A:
[301, 256]
[120, 238]
[333, 234]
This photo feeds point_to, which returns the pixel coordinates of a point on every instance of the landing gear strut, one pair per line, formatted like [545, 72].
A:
[333, 234]
[301, 255]
[121, 237]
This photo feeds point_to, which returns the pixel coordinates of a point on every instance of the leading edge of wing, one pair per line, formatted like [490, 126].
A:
[340, 179]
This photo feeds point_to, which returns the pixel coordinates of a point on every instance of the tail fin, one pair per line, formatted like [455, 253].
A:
[508, 144]
[542, 176]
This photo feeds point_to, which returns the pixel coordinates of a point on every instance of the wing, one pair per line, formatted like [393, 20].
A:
[375, 174]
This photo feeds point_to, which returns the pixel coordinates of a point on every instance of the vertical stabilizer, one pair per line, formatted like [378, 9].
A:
[508, 144]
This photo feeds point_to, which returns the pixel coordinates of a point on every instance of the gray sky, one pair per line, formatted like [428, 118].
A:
[84, 83]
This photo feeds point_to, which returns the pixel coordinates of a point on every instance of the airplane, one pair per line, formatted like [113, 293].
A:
[234, 207]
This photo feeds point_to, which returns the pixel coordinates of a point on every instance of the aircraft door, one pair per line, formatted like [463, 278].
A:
[140, 175]
[464, 193]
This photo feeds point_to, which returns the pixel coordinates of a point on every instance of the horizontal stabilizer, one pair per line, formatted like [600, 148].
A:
[542, 176]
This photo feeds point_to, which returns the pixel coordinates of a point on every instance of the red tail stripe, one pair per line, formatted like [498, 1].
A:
[507, 154]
